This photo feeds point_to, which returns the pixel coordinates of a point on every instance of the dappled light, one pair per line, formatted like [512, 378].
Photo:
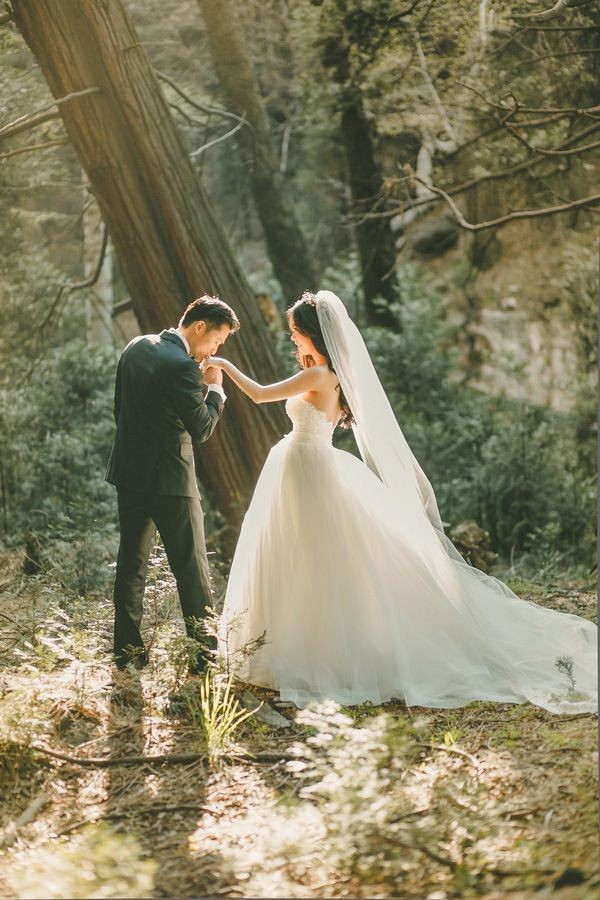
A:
[298, 449]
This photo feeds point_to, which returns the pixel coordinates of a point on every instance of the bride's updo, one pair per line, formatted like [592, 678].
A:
[303, 314]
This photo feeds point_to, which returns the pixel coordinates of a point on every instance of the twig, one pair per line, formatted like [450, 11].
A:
[218, 140]
[41, 115]
[449, 749]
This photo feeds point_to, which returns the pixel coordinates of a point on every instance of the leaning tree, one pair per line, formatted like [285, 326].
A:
[230, 55]
[165, 234]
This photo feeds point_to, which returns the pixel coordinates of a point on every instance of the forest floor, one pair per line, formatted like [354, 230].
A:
[491, 800]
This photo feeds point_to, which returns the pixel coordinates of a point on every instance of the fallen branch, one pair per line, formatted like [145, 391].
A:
[163, 759]
[449, 749]
[42, 115]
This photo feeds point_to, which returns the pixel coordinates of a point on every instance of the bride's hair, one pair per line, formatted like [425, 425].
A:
[303, 314]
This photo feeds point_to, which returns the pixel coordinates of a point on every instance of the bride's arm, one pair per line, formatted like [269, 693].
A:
[311, 379]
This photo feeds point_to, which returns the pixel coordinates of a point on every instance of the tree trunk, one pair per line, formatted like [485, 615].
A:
[170, 247]
[374, 238]
[231, 60]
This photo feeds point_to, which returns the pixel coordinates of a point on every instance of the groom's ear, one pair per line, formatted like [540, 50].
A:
[200, 327]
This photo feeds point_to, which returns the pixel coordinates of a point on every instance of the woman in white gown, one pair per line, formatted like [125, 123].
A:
[345, 569]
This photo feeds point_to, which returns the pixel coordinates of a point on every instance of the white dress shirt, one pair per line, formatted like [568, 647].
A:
[218, 388]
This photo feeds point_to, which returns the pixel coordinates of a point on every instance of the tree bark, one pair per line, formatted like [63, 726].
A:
[170, 247]
[374, 238]
[231, 60]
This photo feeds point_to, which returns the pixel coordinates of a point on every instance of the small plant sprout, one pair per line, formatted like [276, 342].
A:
[565, 664]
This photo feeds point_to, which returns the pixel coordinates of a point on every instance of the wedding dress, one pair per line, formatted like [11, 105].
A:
[344, 568]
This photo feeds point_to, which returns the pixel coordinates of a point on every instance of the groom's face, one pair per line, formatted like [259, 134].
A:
[205, 340]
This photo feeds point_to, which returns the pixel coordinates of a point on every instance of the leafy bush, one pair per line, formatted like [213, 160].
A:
[97, 863]
[55, 437]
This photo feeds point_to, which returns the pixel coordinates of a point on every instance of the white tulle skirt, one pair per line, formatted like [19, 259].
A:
[356, 603]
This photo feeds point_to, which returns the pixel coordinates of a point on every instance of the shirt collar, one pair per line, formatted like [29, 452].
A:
[183, 340]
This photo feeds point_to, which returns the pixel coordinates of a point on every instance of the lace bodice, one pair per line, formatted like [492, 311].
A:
[309, 422]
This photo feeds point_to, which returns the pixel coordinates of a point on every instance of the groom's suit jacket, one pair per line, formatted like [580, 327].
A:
[159, 410]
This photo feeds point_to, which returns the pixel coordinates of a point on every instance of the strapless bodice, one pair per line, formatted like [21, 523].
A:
[309, 422]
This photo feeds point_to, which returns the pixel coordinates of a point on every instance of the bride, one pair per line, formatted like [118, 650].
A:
[344, 567]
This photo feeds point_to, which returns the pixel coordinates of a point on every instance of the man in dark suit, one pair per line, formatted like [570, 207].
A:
[160, 409]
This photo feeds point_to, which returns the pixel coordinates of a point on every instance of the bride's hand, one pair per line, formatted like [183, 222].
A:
[217, 362]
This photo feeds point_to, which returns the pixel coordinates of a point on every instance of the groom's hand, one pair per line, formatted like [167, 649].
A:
[212, 375]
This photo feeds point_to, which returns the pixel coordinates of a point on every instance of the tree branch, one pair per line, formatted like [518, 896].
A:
[202, 107]
[541, 110]
[30, 147]
[560, 7]
[509, 217]
[41, 115]
[218, 140]
[72, 286]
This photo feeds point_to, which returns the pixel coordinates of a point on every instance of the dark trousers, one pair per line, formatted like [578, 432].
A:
[180, 523]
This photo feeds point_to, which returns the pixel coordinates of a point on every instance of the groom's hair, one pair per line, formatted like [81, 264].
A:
[212, 310]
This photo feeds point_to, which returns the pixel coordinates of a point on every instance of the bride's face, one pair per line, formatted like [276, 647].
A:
[303, 343]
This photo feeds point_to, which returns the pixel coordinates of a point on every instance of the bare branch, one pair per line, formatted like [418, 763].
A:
[30, 147]
[557, 55]
[203, 107]
[517, 107]
[76, 285]
[509, 217]
[560, 7]
[218, 140]
[42, 115]
[572, 151]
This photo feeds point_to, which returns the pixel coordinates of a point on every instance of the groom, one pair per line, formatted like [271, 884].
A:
[160, 409]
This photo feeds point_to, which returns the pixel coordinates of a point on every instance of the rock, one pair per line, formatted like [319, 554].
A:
[266, 713]
[473, 542]
[434, 237]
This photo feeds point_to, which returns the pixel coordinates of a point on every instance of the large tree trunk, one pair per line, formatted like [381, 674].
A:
[170, 247]
[287, 249]
[374, 238]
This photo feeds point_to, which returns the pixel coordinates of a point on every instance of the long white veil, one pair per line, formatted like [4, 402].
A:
[379, 437]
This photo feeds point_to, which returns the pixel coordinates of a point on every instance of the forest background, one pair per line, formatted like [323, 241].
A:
[433, 163]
